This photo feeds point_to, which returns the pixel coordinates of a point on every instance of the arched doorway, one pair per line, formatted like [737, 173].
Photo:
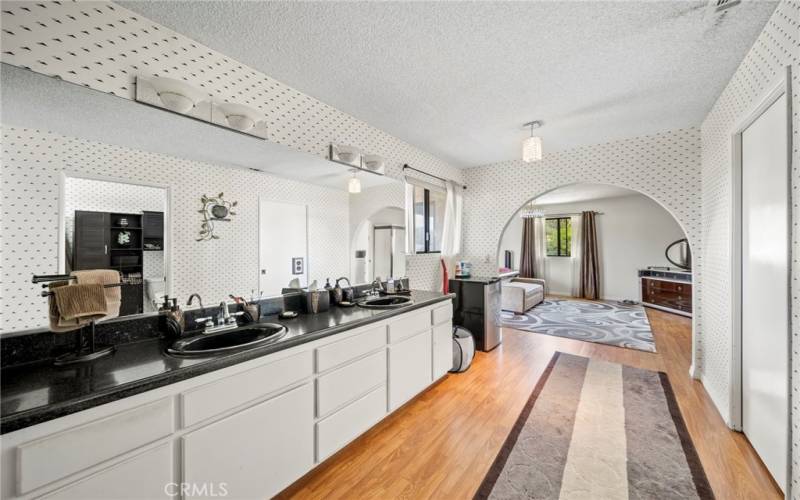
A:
[633, 233]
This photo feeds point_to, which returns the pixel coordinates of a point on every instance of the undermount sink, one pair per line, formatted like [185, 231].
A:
[246, 337]
[386, 303]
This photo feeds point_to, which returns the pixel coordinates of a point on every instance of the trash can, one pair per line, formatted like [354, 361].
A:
[463, 349]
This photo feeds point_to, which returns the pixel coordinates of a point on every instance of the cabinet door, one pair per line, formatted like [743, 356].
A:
[149, 475]
[257, 452]
[153, 225]
[90, 245]
[409, 368]
[442, 349]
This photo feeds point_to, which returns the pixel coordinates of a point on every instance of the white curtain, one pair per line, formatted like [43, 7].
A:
[409, 218]
[451, 232]
[575, 252]
[540, 252]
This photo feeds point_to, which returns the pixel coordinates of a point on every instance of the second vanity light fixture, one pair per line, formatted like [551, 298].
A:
[354, 157]
[180, 97]
[532, 146]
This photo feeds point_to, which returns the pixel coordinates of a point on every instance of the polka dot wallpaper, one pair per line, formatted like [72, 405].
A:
[778, 46]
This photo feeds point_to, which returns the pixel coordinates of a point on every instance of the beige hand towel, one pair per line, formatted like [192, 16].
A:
[103, 277]
[80, 302]
[57, 323]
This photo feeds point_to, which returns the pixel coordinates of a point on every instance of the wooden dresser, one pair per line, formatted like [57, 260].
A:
[669, 291]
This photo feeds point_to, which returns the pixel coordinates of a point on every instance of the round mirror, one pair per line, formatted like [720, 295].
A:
[679, 254]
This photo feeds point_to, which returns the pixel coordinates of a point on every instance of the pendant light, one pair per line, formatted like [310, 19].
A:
[530, 212]
[532, 146]
[354, 185]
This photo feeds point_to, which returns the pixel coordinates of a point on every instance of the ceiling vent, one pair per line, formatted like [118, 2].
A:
[718, 9]
[717, 6]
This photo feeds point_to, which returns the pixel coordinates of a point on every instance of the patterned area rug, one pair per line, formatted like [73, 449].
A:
[598, 430]
[602, 322]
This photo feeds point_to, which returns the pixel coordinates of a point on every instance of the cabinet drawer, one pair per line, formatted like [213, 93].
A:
[345, 350]
[409, 325]
[349, 382]
[143, 476]
[442, 314]
[214, 398]
[348, 423]
[56, 456]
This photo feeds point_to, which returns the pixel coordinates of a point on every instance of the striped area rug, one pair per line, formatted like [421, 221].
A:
[598, 430]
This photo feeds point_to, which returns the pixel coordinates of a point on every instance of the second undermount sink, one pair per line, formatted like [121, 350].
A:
[386, 303]
[246, 337]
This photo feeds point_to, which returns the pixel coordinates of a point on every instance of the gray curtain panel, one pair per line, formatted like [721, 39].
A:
[590, 266]
[527, 256]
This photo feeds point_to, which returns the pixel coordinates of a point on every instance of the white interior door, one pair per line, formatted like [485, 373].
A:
[382, 256]
[765, 275]
[282, 239]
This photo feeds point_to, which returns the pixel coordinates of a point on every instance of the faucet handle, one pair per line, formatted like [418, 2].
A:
[207, 321]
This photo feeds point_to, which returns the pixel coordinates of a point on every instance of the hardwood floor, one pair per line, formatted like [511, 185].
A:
[441, 444]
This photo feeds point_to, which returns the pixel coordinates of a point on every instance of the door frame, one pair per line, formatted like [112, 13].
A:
[779, 88]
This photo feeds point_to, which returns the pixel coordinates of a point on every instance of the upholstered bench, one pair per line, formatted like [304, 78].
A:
[520, 294]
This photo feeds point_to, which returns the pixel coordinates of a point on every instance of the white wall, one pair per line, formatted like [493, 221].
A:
[632, 233]
[776, 47]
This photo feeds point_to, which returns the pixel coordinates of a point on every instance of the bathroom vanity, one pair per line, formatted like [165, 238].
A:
[248, 429]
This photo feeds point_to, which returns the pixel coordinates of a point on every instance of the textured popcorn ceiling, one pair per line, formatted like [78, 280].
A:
[458, 79]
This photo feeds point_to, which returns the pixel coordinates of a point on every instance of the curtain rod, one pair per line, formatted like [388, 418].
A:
[555, 216]
[546, 216]
[406, 166]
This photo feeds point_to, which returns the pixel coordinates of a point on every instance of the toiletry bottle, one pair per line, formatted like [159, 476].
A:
[177, 314]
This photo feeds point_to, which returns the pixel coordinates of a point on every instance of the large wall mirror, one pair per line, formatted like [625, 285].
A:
[112, 183]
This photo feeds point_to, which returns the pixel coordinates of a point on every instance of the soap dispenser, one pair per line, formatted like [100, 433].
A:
[176, 314]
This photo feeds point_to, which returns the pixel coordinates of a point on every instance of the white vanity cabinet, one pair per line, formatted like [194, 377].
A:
[245, 431]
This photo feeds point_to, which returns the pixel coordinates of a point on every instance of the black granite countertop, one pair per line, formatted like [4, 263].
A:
[35, 393]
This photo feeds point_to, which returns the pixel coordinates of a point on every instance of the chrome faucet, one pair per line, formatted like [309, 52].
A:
[224, 317]
[377, 286]
[225, 320]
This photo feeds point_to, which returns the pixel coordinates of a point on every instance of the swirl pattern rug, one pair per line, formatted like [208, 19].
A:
[609, 323]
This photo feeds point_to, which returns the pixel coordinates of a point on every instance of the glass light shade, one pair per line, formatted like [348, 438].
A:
[354, 185]
[530, 212]
[532, 149]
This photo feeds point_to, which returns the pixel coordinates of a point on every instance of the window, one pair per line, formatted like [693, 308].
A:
[428, 220]
[558, 232]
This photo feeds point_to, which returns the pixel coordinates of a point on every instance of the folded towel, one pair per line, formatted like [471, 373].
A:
[80, 302]
[57, 323]
[103, 277]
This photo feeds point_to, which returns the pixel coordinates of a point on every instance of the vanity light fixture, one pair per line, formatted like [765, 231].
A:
[239, 116]
[177, 95]
[354, 185]
[532, 146]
